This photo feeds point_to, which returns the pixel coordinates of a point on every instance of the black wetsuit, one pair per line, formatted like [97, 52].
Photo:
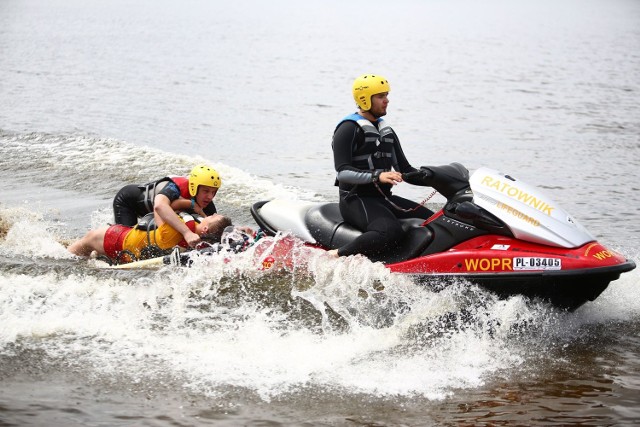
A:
[359, 162]
[135, 201]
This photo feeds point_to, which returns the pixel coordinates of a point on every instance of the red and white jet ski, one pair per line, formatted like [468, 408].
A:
[494, 231]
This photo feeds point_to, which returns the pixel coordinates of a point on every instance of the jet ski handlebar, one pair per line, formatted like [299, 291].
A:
[448, 180]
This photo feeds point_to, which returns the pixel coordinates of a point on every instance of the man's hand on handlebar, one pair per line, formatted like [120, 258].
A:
[421, 176]
[392, 178]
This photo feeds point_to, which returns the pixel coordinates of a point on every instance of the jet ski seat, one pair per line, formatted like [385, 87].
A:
[326, 225]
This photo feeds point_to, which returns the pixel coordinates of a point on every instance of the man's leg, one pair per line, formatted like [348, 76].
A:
[92, 241]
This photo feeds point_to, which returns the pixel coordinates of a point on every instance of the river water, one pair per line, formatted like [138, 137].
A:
[95, 95]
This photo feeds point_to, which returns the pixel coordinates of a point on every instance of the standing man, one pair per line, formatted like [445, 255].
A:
[369, 161]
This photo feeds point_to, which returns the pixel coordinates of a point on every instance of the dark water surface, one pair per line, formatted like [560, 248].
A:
[95, 95]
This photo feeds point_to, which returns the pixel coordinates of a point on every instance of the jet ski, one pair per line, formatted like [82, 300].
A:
[494, 231]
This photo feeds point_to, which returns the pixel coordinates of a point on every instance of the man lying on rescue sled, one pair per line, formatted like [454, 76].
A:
[140, 243]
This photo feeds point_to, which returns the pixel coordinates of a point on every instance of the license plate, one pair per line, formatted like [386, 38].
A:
[536, 263]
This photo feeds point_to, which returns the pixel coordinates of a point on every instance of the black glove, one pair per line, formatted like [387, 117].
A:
[421, 176]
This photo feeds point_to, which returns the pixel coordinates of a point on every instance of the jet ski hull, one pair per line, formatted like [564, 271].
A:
[567, 278]
[494, 231]
[563, 289]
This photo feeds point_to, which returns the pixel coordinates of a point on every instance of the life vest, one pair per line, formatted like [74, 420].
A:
[150, 242]
[169, 235]
[152, 189]
[183, 184]
[148, 222]
[377, 152]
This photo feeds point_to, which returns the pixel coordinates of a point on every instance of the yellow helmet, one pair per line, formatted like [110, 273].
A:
[364, 87]
[203, 175]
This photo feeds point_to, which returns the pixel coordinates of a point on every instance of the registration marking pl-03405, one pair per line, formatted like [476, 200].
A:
[536, 263]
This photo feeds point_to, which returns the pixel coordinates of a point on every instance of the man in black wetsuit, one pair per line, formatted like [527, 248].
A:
[369, 161]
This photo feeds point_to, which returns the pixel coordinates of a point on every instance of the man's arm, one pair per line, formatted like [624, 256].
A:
[182, 204]
[162, 212]
[344, 139]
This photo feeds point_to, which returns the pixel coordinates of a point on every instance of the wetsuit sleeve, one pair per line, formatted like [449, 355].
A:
[171, 191]
[210, 209]
[347, 135]
[400, 162]
[402, 165]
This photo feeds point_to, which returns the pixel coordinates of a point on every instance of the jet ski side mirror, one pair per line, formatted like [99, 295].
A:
[468, 210]
[479, 217]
